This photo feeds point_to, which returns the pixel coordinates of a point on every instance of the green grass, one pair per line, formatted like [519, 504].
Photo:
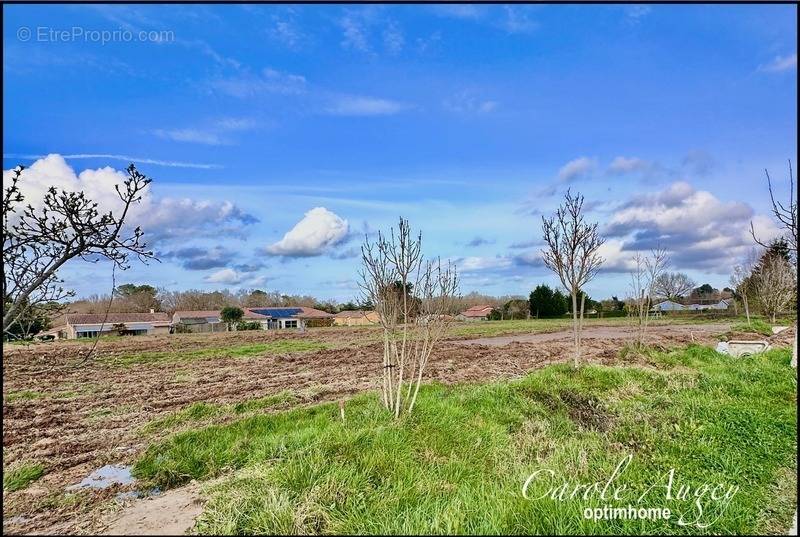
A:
[198, 412]
[457, 465]
[240, 351]
[756, 325]
[21, 476]
[20, 395]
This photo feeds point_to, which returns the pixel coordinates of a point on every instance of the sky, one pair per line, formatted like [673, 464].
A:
[278, 137]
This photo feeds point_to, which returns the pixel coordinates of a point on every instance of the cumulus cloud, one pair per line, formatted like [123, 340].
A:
[355, 105]
[226, 275]
[160, 218]
[477, 264]
[699, 230]
[319, 230]
[576, 169]
[780, 64]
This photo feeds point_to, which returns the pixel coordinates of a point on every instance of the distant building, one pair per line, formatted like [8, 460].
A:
[356, 318]
[269, 318]
[476, 313]
[669, 305]
[83, 325]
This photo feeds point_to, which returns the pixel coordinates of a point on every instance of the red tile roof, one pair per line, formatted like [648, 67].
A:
[478, 311]
[97, 318]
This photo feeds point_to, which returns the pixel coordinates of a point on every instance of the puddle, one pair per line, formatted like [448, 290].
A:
[108, 475]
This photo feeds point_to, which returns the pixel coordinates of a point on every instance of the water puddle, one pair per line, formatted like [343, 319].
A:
[107, 476]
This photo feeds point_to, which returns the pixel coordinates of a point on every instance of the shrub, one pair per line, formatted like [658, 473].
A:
[248, 325]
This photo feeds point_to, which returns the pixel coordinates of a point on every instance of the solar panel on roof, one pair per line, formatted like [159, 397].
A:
[278, 313]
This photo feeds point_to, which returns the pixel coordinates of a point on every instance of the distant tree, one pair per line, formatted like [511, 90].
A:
[560, 303]
[775, 284]
[231, 315]
[673, 285]
[138, 298]
[256, 299]
[541, 301]
[572, 253]
[705, 289]
[516, 309]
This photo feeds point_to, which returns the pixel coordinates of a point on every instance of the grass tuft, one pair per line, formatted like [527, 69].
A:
[20, 477]
[756, 326]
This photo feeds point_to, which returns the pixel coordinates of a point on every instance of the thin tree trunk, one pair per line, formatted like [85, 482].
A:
[746, 309]
[580, 324]
[575, 327]
[794, 349]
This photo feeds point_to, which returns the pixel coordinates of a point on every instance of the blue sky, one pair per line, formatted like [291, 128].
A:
[278, 135]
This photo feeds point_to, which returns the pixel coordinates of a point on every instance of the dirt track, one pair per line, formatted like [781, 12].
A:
[603, 332]
[92, 415]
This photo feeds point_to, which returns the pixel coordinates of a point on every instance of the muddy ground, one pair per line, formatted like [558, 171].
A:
[92, 415]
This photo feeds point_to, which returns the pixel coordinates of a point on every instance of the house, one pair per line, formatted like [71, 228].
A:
[269, 318]
[356, 318]
[476, 313]
[668, 305]
[81, 325]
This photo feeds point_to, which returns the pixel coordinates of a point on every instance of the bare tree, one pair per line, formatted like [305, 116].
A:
[776, 285]
[673, 285]
[742, 282]
[648, 269]
[571, 253]
[414, 316]
[786, 217]
[37, 242]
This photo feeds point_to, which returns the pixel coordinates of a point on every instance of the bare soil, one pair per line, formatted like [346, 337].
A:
[92, 415]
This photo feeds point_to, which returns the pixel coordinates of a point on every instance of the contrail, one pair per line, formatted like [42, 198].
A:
[170, 163]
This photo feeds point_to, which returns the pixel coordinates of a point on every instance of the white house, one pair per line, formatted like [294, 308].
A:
[668, 305]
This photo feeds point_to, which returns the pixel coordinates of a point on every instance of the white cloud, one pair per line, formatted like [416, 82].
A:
[225, 275]
[393, 38]
[354, 34]
[635, 13]
[460, 11]
[236, 123]
[780, 64]
[477, 264]
[267, 81]
[576, 169]
[354, 105]
[313, 235]
[624, 165]
[195, 136]
[465, 102]
[699, 230]
[517, 20]
[158, 217]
